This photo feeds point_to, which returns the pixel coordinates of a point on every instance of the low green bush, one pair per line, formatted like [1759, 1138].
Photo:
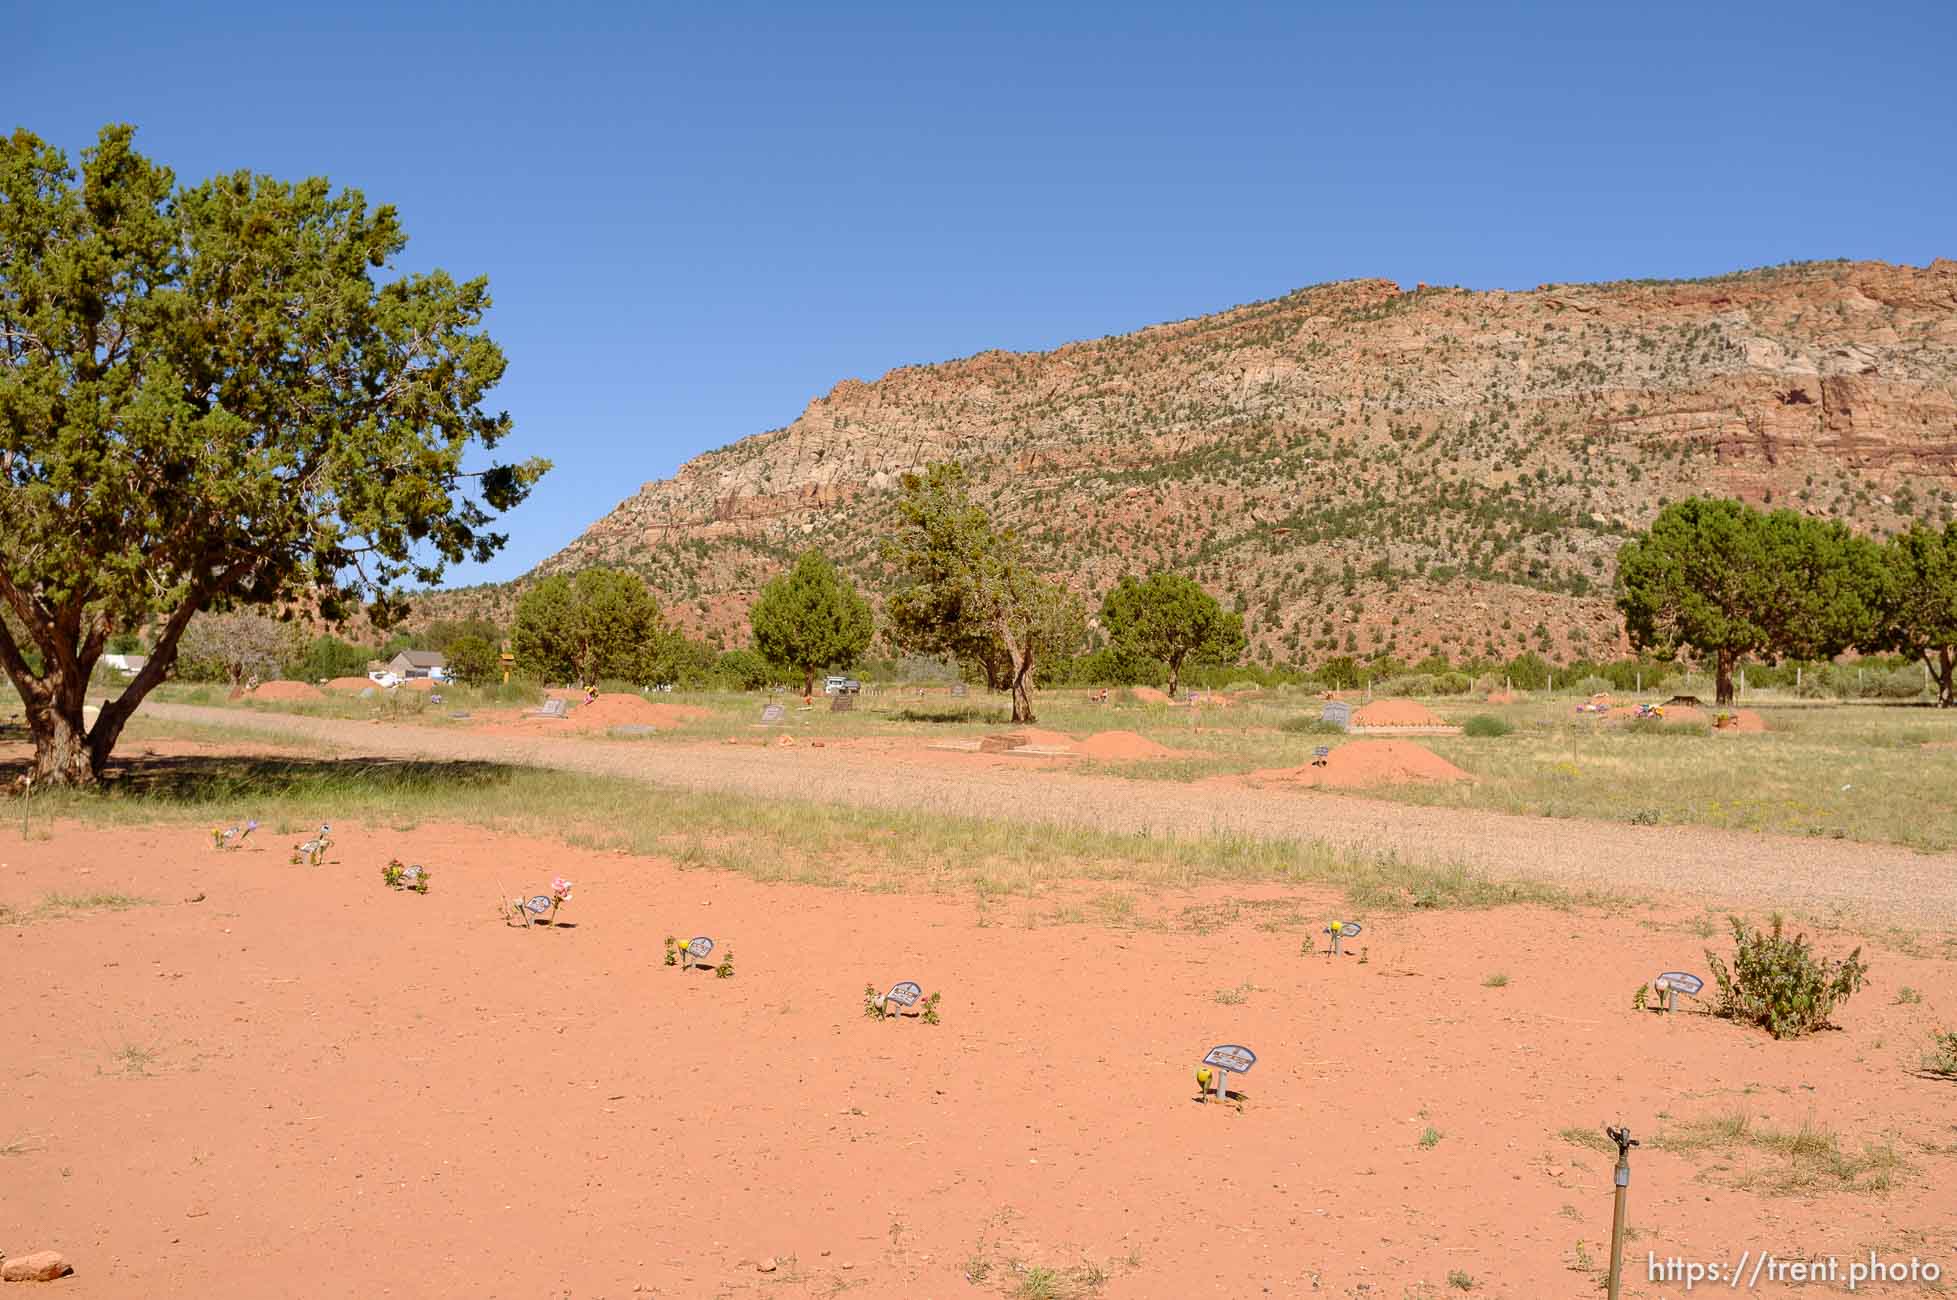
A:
[1486, 725]
[1310, 726]
[1779, 984]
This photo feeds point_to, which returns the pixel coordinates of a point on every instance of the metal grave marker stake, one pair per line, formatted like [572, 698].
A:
[536, 905]
[1320, 754]
[1341, 930]
[1674, 982]
[1228, 1059]
[696, 951]
[904, 993]
[771, 714]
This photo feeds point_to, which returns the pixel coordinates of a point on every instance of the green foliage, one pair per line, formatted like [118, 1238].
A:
[743, 670]
[725, 970]
[326, 657]
[1486, 726]
[873, 1004]
[930, 1012]
[208, 400]
[1941, 1059]
[472, 660]
[1778, 984]
[1727, 581]
[672, 951]
[971, 592]
[1528, 671]
[443, 633]
[1916, 604]
[1641, 1000]
[1341, 672]
[602, 623]
[1167, 617]
[811, 619]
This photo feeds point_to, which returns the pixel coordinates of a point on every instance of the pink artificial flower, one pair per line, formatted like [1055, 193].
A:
[560, 889]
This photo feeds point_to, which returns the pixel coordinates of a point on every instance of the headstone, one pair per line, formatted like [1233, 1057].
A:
[633, 729]
[841, 702]
[1674, 982]
[1228, 1059]
[460, 715]
[1337, 712]
[958, 690]
[904, 993]
[697, 950]
[771, 714]
[554, 709]
[1319, 754]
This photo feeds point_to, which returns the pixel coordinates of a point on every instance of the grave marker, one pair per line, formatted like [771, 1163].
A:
[633, 729]
[1341, 930]
[841, 702]
[958, 690]
[1229, 1059]
[1674, 982]
[771, 714]
[904, 993]
[695, 952]
[1337, 712]
[1319, 754]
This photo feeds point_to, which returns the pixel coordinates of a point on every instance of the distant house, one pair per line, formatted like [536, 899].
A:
[130, 664]
[410, 664]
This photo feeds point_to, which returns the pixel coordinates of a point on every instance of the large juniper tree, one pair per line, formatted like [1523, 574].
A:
[810, 619]
[1169, 617]
[209, 398]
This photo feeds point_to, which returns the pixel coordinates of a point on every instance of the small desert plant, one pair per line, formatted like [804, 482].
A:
[1460, 1281]
[1311, 727]
[1778, 983]
[1942, 1056]
[1430, 1137]
[1486, 726]
[1499, 980]
[1907, 996]
[931, 1009]
[1642, 998]
[873, 1006]
[391, 873]
[725, 971]
[672, 951]
[1645, 817]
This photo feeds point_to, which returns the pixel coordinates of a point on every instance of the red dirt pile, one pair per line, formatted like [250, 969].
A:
[1743, 720]
[1148, 695]
[1011, 740]
[1396, 713]
[1121, 744]
[626, 710]
[1360, 763]
[285, 691]
[354, 685]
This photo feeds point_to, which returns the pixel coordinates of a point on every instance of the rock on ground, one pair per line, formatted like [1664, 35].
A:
[41, 1266]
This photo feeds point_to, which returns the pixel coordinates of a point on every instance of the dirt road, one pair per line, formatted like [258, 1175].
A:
[1825, 877]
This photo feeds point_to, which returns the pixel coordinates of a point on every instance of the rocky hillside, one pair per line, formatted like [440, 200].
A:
[1360, 467]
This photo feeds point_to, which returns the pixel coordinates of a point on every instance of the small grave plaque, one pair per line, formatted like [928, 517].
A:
[904, 993]
[1341, 930]
[1229, 1059]
[460, 715]
[538, 904]
[771, 714]
[1337, 712]
[697, 950]
[1319, 754]
[958, 690]
[841, 702]
[1674, 982]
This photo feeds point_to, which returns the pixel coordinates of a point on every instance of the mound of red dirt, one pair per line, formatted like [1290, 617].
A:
[1121, 744]
[1742, 720]
[353, 684]
[1359, 763]
[1396, 713]
[1675, 715]
[421, 684]
[624, 710]
[285, 691]
[1148, 695]
[1011, 740]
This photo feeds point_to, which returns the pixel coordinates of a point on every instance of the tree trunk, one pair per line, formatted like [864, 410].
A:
[1022, 693]
[1723, 682]
[1944, 668]
[1175, 674]
[62, 755]
[808, 683]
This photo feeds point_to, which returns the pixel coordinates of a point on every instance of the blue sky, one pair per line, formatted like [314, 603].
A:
[695, 218]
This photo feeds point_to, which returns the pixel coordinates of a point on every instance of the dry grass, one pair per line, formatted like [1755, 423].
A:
[1781, 1162]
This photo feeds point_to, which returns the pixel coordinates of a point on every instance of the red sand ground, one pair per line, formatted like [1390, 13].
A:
[285, 691]
[1148, 695]
[1120, 744]
[353, 684]
[1396, 713]
[307, 1085]
[1359, 763]
[621, 710]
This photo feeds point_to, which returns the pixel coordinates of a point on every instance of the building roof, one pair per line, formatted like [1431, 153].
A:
[423, 658]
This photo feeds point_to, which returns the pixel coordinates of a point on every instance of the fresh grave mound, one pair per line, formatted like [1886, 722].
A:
[421, 684]
[285, 691]
[1023, 738]
[625, 710]
[353, 684]
[1674, 715]
[1360, 763]
[1745, 720]
[1396, 713]
[1121, 744]
[1148, 695]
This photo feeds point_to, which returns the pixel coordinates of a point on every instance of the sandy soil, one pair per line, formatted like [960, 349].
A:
[285, 691]
[1121, 745]
[1396, 713]
[1360, 764]
[1148, 695]
[352, 684]
[1802, 874]
[306, 1084]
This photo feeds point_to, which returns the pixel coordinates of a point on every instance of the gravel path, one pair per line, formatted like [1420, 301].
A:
[1824, 877]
